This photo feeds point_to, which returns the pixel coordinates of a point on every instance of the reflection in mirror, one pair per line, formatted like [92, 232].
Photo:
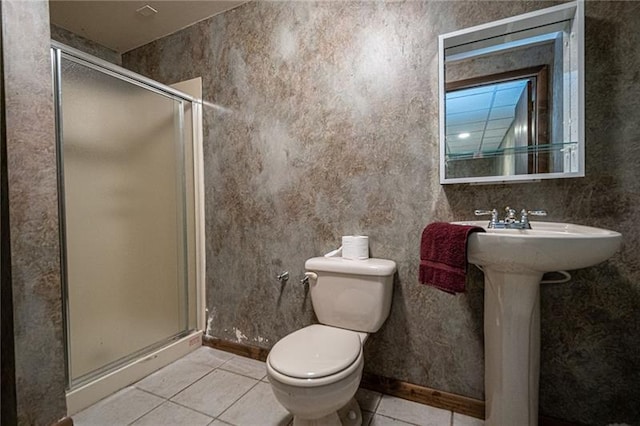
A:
[511, 104]
[497, 124]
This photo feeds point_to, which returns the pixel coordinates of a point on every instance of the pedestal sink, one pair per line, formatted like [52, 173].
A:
[513, 262]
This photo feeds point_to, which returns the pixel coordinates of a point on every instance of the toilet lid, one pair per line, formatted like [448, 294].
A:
[315, 351]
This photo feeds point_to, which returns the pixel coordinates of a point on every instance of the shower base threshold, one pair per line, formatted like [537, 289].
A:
[92, 392]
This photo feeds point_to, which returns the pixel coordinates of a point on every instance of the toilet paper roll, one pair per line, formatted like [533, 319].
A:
[355, 247]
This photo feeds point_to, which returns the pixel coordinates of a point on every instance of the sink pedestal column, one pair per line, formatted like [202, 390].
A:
[511, 347]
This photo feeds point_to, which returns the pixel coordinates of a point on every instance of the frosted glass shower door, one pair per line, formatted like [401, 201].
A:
[123, 182]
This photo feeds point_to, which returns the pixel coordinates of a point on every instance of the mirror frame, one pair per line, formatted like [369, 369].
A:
[573, 11]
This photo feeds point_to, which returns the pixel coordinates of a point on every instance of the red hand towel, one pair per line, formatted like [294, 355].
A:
[443, 255]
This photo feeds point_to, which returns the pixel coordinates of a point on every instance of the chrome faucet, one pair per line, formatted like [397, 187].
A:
[510, 220]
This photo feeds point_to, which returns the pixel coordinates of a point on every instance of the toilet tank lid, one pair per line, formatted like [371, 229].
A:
[374, 267]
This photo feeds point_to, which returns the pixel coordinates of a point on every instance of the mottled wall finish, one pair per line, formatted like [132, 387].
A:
[324, 121]
[88, 46]
[33, 215]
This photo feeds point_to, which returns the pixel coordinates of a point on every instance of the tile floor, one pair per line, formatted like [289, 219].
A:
[212, 387]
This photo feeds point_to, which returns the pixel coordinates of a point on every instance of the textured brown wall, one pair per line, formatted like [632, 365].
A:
[323, 121]
[78, 42]
[33, 214]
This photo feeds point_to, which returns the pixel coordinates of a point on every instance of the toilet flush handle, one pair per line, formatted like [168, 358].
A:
[308, 276]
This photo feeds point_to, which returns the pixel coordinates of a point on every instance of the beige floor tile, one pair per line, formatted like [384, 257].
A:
[120, 408]
[208, 356]
[236, 389]
[367, 416]
[215, 392]
[412, 412]
[256, 408]
[170, 414]
[367, 399]
[246, 366]
[462, 420]
[378, 420]
[173, 378]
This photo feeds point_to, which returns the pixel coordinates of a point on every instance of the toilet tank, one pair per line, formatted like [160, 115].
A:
[351, 294]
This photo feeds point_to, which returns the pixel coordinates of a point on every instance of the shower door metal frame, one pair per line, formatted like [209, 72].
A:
[60, 51]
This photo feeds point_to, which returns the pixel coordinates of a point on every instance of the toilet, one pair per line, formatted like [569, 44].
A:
[315, 372]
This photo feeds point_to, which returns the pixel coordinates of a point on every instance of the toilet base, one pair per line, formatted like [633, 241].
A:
[349, 415]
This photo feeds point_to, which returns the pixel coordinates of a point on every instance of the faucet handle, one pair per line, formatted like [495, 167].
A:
[493, 213]
[524, 216]
[478, 212]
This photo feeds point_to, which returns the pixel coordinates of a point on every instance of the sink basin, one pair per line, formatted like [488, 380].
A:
[513, 261]
[547, 247]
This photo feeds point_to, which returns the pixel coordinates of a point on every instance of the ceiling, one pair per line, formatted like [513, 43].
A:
[117, 25]
[478, 118]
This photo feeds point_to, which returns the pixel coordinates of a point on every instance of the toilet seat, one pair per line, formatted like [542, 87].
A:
[315, 351]
[315, 355]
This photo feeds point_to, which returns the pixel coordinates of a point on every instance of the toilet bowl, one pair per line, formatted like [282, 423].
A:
[315, 372]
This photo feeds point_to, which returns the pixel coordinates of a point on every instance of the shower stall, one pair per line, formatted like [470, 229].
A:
[129, 170]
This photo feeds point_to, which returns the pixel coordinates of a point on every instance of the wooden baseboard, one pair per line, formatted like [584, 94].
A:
[65, 421]
[449, 401]
[241, 349]
[424, 395]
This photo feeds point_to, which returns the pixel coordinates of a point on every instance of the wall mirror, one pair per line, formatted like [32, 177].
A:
[512, 98]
